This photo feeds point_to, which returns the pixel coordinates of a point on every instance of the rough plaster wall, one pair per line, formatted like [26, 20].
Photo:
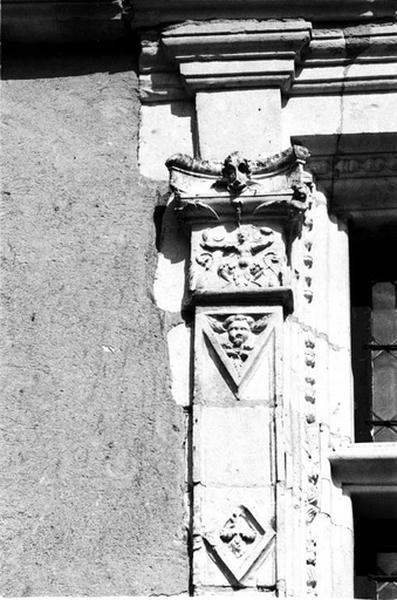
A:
[93, 442]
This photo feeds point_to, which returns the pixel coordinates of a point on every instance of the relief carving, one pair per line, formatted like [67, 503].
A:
[246, 257]
[236, 173]
[376, 164]
[311, 464]
[237, 533]
[235, 339]
[263, 165]
[210, 190]
[238, 545]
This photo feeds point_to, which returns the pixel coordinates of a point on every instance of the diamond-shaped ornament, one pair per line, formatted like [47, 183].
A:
[239, 544]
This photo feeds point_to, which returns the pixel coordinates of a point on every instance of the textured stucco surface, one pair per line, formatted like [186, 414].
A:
[92, 451]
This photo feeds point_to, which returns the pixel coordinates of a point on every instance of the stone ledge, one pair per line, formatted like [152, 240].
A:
[366, 466]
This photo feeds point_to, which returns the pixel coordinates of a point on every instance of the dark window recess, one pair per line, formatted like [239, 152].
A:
[374, 335]
[375, 559]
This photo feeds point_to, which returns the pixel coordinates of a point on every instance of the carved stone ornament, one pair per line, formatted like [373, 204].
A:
[237, 340]
[239, 186]
[248, 257]
[239, 544]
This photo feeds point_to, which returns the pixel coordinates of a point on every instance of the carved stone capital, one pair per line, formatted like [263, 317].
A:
[239, 188]
[243, 214]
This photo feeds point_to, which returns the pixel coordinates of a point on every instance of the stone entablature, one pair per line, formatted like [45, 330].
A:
[288, 54]
[358, 172]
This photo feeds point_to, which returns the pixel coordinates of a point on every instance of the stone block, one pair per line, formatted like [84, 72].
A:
[233, 446]
[235, 537]
[245, 120]
[163, 127]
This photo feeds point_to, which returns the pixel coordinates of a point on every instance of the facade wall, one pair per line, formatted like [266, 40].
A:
[93, 446]
[149, 450]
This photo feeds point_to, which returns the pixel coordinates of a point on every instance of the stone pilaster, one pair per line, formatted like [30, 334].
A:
[244, 218]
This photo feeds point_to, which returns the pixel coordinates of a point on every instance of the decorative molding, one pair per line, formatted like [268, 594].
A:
[354, 166]
[237, 340]
[361, 58]
[239, 544]
[240, 186]
[225, 54]
[288, 54]
[267, 165]
[307, 239]
[311, 463]
[357, 172]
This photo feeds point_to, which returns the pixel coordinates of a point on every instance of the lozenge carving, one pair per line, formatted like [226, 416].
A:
[238, 545]
[237, 533]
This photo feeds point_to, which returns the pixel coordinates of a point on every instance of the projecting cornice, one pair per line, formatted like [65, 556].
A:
[361, 58]
[288, 54]
[237, 54]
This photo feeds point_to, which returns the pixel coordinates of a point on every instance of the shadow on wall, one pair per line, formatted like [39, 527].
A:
[27, 61]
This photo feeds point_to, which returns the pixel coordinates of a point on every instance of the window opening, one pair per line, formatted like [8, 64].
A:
[375, 558]
[374, 334]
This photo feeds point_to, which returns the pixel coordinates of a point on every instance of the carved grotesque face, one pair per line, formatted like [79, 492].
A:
[239, 332]
[236, 172]
[241, 237]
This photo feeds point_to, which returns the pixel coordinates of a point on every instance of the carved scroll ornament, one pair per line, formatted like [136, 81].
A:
[277, 180]
[249, 257]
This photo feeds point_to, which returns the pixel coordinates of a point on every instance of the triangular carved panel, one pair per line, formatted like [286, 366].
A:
[238, 340]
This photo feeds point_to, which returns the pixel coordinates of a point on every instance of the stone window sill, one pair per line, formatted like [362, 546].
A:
[366, 465]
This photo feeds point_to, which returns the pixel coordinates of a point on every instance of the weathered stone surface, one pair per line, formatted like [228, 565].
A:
[228, 456]
[164, 127]
[179, 344]
[242, 113]
[92, 457]
[169, 283]
[221, 558]
[248, 258]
